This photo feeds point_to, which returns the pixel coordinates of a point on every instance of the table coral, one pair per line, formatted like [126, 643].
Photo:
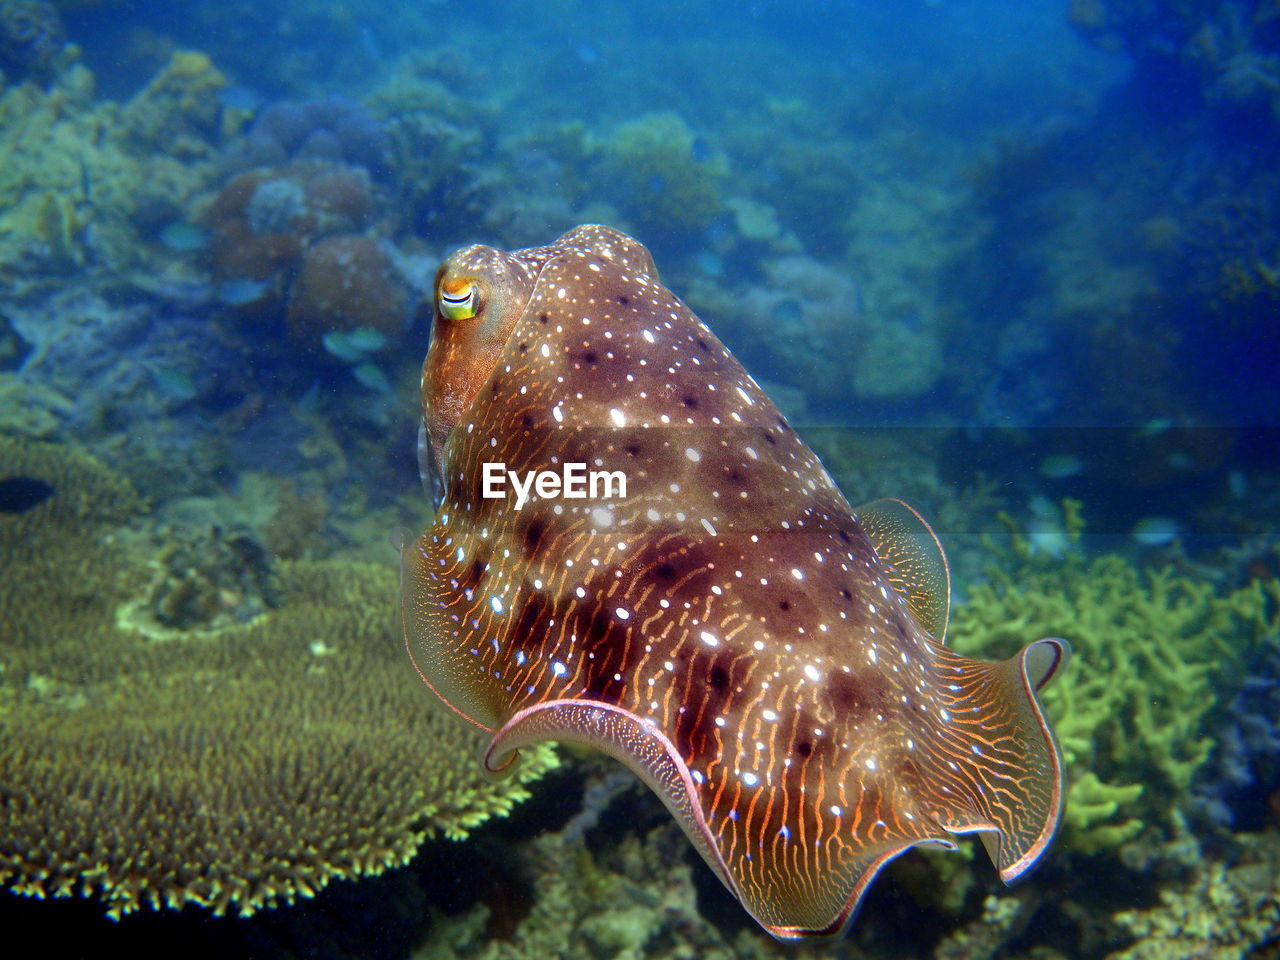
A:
[1153, 649]
[235, 768]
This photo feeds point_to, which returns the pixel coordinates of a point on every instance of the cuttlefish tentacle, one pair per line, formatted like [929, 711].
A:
[769, 660]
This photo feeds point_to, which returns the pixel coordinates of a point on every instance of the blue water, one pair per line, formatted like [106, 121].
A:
[983, 255]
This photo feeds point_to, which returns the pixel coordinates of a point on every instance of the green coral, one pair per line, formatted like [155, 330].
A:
[651, 169]
[1151, 649]
[235, 767]
[81, 181]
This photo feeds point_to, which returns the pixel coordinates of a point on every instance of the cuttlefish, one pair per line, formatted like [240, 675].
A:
[769, 660]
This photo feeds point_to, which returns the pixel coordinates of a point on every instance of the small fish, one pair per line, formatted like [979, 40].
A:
[1048, 537]
[173, 382]
[183, 237]
[241, 291]
[309, 402]
[1061, 466]
[371, 376]
[353, 346]
[1156, 531]
[367, 339]
[20, 494]
[770, 661]
[710, 263]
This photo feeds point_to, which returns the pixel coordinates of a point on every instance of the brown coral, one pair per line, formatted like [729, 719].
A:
[261, 220]
[234, 768]
[346, 283]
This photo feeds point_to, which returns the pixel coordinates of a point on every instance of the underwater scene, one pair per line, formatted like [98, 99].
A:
[667, 480]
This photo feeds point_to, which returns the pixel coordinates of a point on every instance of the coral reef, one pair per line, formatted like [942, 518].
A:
[262, 221]
[236, 767]
[444, 150]
[807, 310]
[629, 903]
[1227, 911]
[660, 175]
[1230, 51]
[904, 237]
[1003, 918]
[1153, 649]
[291, 252]
[99, 366]
[335, 128]
[870, 328]
[178, 112]
[87, 496]
[787, 142]
[82, 181]
[206, 580]
[347, 283]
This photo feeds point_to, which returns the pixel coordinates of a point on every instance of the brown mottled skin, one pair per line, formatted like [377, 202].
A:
[770, 663]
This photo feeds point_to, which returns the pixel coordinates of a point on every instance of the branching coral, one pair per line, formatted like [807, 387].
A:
[234, 768]
[634, 901]
[1152, 649]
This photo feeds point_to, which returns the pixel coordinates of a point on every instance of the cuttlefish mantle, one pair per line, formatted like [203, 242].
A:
[769, 660]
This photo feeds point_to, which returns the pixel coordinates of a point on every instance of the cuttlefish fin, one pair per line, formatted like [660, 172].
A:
[1005, 755]
[626, 737]
[913, 557]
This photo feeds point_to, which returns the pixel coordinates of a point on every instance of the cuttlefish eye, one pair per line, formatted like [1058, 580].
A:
[459, 299]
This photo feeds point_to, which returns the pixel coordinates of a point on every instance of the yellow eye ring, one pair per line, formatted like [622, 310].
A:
[458, 300]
